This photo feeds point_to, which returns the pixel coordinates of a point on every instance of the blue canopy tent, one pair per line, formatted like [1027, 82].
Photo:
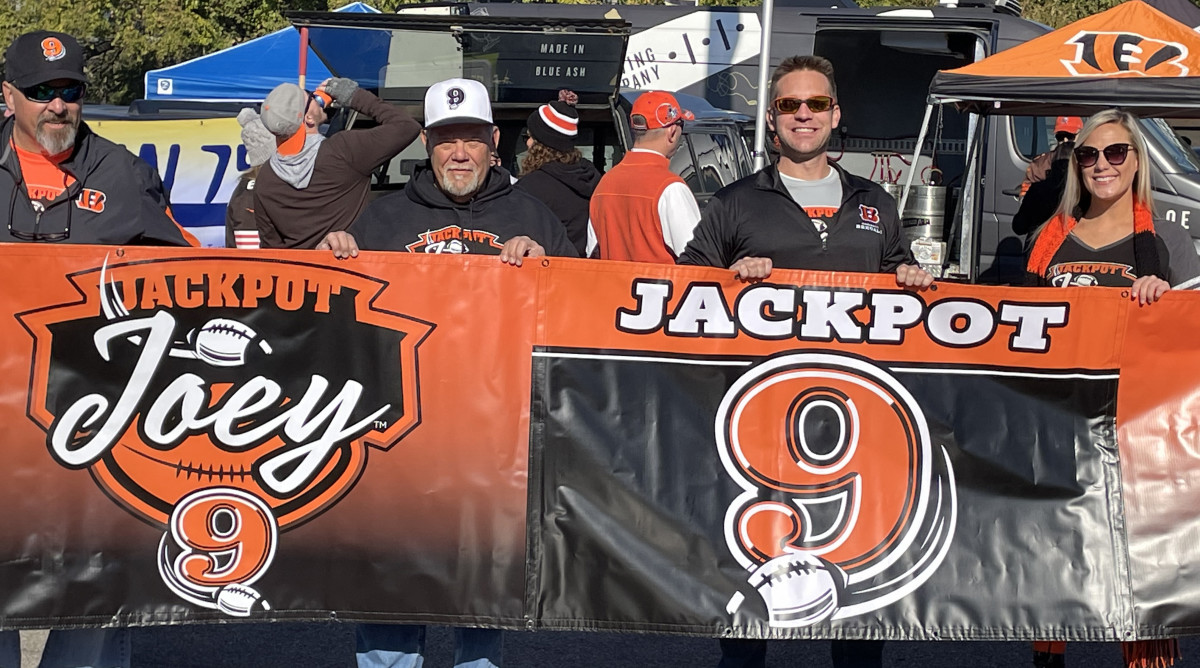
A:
[245, 72]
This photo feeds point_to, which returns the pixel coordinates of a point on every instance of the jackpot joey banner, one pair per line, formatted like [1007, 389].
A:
[572, 444]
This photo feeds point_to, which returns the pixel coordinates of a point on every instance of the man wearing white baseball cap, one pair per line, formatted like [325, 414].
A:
[458, 193]
[456, 203]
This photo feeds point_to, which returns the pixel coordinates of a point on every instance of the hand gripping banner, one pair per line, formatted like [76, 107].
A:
[584, 445]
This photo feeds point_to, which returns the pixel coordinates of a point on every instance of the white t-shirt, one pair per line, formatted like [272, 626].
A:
[820, 199]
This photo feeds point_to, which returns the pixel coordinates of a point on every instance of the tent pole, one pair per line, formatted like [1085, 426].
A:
[912, 171]
[303, 54]
[764, 62]
[967, 254]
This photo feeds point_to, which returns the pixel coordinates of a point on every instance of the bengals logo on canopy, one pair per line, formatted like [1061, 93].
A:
[847, 504]
[1116, 54]
[215, 398]
[53, 49]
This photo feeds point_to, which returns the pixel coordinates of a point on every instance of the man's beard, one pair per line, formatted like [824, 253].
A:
[59, 140]
[468, 188]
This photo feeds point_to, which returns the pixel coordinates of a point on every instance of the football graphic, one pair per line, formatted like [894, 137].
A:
[239, 600]
[798, 588]
[223, 342]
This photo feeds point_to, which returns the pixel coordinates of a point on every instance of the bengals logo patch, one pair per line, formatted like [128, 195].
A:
[53, 49]
[1118, 54]
[174, 384]
[868, 214]
[91, 200]
[847, 502]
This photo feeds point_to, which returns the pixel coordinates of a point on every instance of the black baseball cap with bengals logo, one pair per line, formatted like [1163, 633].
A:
[41, 56]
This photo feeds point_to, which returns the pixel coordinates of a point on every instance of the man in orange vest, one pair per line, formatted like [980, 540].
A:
[641, 211]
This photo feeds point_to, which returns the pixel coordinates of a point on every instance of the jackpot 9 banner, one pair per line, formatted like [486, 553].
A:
[200, 435]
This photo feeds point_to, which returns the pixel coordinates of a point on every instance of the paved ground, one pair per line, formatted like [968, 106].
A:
[289, 645]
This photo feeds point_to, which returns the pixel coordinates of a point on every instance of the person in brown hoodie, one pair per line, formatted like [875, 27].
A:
[314, 185]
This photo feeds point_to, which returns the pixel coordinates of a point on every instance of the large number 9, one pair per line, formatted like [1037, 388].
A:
[222, 536]
[830, 455]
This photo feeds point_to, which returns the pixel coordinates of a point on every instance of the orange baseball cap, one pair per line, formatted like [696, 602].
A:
[657, 109]
[1071, 124]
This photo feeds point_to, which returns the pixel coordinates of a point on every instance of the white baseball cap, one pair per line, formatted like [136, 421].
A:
[457, 101]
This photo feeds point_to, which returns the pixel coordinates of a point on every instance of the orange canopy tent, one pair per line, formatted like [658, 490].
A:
[1129, 56]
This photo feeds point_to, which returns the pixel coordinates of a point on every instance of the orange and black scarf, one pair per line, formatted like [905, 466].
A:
[1145, 252]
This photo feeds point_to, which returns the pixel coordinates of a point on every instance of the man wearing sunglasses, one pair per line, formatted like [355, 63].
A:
[63, 183]
[59, 181]
[315, 185]
[803, 213]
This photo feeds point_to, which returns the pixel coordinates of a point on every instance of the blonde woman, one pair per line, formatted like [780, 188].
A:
[1105, 232]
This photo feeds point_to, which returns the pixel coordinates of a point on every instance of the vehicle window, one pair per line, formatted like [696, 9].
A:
[1033, 135]
[716, 160]
[1181, 155]
[684, 165]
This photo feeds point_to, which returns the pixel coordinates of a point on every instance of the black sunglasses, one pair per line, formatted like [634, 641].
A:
[790, 105]
[41, 236]
[1114, 154]
[46, 93]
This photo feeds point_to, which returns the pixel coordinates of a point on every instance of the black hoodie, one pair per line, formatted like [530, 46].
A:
[422, 219]
[566, 189]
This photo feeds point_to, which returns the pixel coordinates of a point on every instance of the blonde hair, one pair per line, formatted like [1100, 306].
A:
[1141, 180]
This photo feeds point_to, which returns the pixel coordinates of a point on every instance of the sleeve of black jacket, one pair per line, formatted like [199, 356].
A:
[710, 244]
[158, 224]
[897, 249]
[550, 231]
[372, 229]
[1040, 201]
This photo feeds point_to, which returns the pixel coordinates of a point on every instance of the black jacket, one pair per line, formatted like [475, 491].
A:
[1041, 201]
[116, 199]
[239, 212]
[756, 217]
[422, 219]
[567, 190]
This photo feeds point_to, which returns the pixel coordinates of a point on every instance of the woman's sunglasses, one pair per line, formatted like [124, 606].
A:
[46, 93]
[790, 105]
[1114, 154]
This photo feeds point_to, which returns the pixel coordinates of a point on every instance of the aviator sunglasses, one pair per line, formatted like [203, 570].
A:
[46, 93]
[1114, 154]
[790, 105]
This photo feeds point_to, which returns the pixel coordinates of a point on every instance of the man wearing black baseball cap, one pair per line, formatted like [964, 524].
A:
[59, 181]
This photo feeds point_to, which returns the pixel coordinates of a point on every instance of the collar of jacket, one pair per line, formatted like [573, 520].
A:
[769, 179]
[75, 164]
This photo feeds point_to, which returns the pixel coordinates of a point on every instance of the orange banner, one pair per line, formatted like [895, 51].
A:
[451, 439]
